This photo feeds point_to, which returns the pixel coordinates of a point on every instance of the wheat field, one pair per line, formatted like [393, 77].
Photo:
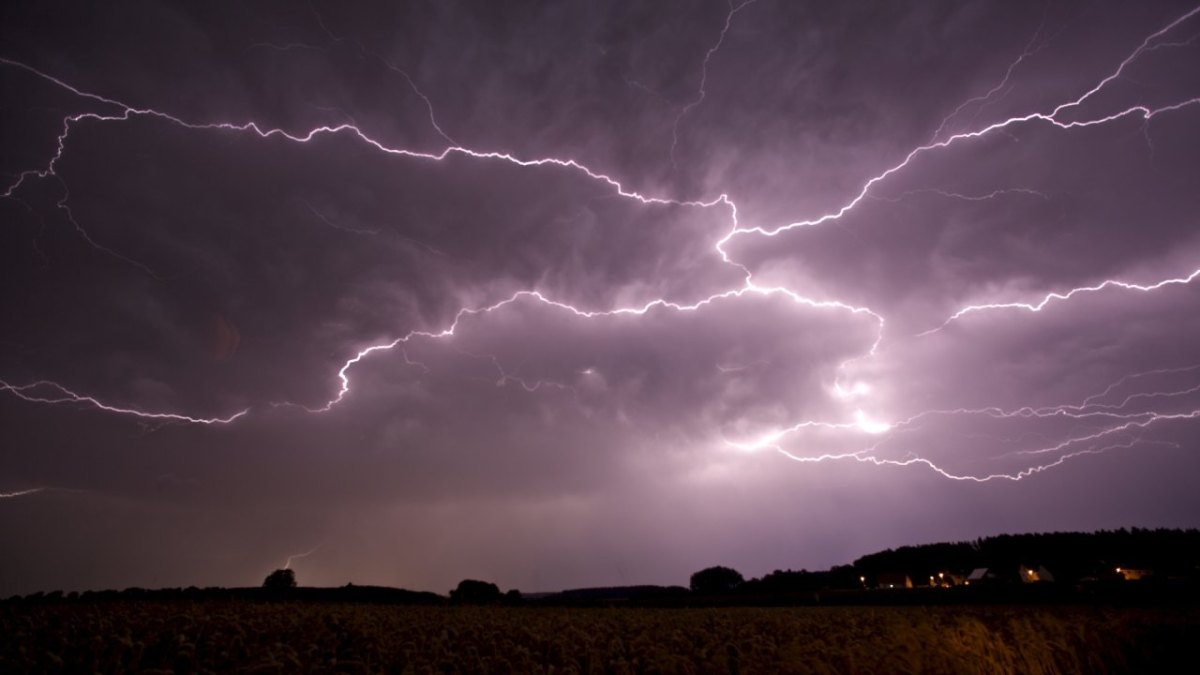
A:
[290, 637]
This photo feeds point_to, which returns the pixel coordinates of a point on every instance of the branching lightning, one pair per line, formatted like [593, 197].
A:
[1034, 45]
[1121, 421]
[1052, 117]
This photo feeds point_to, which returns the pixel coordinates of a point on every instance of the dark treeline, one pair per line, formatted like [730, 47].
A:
[1064, 558]
[1071, 557]
[1121, 565]
[1133, 564]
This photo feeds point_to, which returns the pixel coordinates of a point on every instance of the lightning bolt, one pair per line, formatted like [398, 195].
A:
[922, 462]
[390, 66]
[701, 92]
[1034, 46]
[1090, 441]
[321, 217]
[1059, 297]
[749, 289]
[962, 197]
[1051, 117]
[20, 493]
[505, 377]
[287, 565]
[1137, 376]
[54, 393]
[44, 391]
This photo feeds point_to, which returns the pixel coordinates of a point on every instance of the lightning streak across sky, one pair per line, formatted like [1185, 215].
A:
[52, 392]
[1067, 295]
[874, 429]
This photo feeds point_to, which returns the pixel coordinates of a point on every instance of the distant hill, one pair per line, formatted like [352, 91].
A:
[347, 593]
[613, 595]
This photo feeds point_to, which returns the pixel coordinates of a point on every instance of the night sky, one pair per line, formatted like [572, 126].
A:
[587, 293]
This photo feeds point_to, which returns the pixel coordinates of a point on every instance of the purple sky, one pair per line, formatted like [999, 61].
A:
[587, 293]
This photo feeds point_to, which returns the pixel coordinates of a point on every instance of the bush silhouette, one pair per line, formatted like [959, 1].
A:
[716, 580]
[474, 592]
[280, 580]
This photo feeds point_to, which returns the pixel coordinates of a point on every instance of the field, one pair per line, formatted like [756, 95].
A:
[290, 637]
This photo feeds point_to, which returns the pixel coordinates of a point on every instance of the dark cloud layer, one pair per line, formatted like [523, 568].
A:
[471, 285]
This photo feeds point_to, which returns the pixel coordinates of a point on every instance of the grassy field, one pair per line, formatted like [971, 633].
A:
[262, 637]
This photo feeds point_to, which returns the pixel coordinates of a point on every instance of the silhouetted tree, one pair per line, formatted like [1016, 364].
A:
[716, 580]
[280, 580]
[474, 592]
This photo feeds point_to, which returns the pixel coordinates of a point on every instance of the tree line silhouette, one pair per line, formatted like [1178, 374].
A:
[1169, 558]
[1071, 556]
[1071, 561]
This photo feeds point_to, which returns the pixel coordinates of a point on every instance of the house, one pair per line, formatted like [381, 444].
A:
[1029, 575]
[946, 579]
[1132, 574]
[979, 575]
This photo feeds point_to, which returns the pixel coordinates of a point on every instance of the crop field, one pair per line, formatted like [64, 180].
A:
[291, 637]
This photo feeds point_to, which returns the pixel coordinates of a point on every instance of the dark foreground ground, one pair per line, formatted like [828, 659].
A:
[238, 636]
